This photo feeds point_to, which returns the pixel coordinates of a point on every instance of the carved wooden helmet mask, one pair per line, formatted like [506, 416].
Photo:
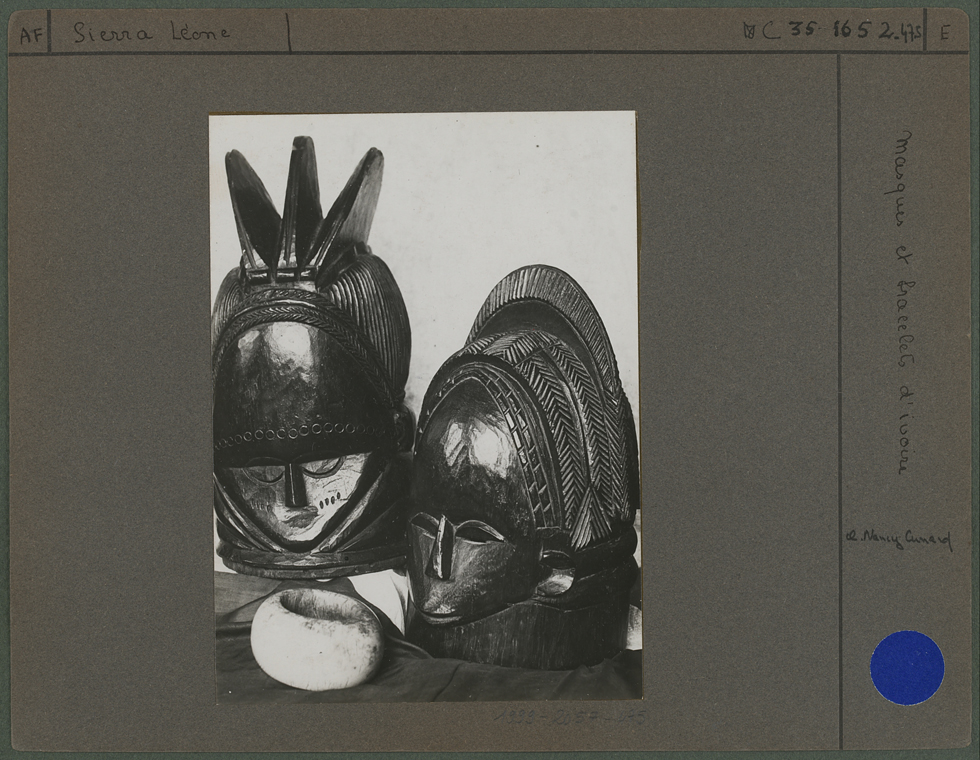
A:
[526, 486]
[310, 354]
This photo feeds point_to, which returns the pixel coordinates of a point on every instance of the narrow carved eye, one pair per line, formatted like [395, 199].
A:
[321, 468]
[265, 473]
[426, 522]
[478, 532]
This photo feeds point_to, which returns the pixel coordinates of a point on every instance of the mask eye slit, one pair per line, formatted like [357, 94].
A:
[426, 522]
[321, 468]
[265, 474]
[478, 531]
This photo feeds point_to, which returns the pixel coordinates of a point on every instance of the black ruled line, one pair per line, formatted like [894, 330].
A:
[840, 438]
[925, 29]
[488, 52]
[49, 31]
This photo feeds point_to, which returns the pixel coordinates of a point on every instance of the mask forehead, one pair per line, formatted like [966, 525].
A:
[287, 390]
[467, 464]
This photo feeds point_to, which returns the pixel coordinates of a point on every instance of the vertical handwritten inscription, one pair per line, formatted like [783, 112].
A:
[905, 298]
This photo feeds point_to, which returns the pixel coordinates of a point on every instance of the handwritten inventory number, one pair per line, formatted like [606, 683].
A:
[561, 717]
[773, 30]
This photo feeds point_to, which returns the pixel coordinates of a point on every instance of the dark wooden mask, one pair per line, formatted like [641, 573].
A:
[525, 486]
[310, 353]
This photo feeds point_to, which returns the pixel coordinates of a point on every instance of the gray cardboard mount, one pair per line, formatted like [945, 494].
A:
[771, 349]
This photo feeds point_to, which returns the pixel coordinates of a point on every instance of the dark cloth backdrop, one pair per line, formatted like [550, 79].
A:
[407, 673]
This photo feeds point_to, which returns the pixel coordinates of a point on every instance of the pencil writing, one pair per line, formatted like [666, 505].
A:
[902, 540]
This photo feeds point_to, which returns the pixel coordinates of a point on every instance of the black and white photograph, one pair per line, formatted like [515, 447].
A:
[426, 473]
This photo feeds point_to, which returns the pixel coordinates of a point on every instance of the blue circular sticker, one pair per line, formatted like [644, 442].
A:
[907, 667]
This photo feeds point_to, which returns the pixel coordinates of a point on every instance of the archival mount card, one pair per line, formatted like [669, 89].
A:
[769, 211]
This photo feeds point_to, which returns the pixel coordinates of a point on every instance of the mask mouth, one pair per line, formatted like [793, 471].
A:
[440, 618]
[462, 618]
[301, 517]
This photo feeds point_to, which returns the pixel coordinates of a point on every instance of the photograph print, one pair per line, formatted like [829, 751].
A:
[425, 387]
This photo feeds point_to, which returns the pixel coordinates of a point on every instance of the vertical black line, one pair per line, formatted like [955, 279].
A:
[289, 38]
[49, 31]
[840, 443]
[925, 27]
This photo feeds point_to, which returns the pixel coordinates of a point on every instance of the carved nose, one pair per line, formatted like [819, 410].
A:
[441, 559]
[295, 487]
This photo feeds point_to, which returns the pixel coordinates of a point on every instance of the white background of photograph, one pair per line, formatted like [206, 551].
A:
[466, 198]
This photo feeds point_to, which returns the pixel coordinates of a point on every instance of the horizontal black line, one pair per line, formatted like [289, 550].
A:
[488, 52]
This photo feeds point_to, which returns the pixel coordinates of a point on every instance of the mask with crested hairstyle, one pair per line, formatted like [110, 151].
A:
[310, 354]
[526, 485]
